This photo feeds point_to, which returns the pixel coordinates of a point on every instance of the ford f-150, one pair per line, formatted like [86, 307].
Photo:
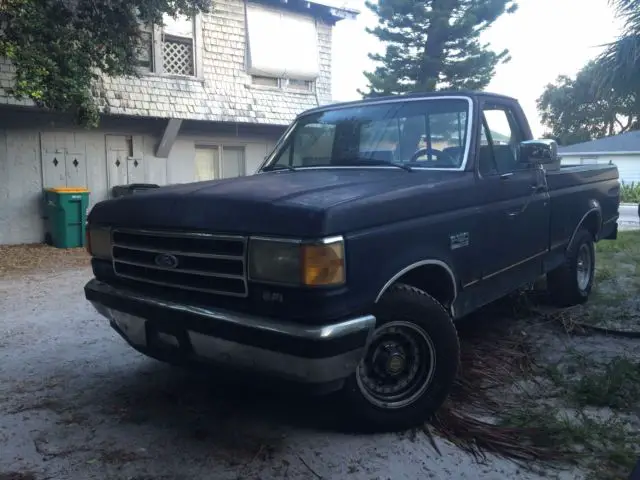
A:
[345, 261]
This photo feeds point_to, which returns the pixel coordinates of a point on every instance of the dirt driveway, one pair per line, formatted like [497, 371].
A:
[77, 403]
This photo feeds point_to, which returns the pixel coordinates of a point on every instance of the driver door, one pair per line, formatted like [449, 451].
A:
[516, 235]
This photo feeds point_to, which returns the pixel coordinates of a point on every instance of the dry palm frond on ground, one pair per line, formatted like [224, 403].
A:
[491, 360]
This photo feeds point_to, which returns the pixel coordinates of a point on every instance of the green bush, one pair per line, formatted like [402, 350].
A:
[630, 192]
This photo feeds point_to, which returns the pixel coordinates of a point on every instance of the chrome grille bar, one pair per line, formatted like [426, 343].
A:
[200, 262]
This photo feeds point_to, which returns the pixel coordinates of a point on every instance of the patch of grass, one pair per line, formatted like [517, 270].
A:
[615, 385]
[604, 272]
[607, 299]
[630, 192]
[617, 273]
[607, 447]
[627, 242]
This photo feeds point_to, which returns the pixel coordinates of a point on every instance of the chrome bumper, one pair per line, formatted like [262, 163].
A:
[309, 354]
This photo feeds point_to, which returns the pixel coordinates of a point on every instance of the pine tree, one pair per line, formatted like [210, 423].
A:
[434, 45]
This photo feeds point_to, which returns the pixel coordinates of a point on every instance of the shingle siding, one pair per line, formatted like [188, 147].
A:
[222, 93]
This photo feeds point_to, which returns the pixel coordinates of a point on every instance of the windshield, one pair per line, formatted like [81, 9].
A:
[426, 133]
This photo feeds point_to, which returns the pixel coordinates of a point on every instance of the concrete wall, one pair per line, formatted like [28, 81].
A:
[25, 151]
[628, 165]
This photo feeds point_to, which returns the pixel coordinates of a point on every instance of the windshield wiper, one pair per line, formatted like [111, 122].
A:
[278, 166]
[372, 162]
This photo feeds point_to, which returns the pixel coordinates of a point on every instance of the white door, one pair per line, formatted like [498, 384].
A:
[135, 170]
[233, 162]
[76, 169]
[54, 169]
[63, 160]
[117, 160]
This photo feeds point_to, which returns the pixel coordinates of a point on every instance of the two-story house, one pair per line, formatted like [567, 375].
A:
[214, 95]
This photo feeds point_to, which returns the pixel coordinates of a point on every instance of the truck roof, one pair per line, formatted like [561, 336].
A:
[443, 93]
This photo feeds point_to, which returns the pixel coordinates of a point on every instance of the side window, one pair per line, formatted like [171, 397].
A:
[486, 162]
[502, 138]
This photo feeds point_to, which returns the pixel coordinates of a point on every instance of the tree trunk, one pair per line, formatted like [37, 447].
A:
[433, 55]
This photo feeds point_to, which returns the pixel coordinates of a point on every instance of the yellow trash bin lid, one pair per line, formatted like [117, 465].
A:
[68, 190]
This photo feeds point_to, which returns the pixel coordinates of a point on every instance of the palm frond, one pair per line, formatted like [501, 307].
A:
[629, 12]
[619, 66]
[619, 63]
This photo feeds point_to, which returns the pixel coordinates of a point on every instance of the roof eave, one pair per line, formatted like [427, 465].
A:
[319, 8]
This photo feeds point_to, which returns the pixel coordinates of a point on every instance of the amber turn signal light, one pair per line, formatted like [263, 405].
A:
[323, 264]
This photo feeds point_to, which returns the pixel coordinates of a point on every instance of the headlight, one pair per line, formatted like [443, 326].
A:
[99, 242]
[293, 262]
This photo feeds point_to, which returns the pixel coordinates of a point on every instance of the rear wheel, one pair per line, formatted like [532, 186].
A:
[409, 365]
[570, 284]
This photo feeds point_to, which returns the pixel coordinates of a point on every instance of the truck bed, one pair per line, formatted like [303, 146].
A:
[576, 190]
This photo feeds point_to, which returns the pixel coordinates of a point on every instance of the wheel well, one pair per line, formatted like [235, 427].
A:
[432, 279]
[592, 223]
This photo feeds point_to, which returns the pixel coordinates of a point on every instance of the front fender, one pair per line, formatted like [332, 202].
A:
[373, 266]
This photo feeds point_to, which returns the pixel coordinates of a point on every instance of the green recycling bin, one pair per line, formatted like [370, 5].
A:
[66, 212]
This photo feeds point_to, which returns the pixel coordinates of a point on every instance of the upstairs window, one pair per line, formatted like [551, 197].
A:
[283, 83]
[282, 49]
[170, 48]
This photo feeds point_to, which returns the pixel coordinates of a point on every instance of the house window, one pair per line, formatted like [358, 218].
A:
[283, 83]
[207, 164]
[216, 162]
[144, 57]
[265, 81]
[303, 85]
[170, 48]
[282, 47]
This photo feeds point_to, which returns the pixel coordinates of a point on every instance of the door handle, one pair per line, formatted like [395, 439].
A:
[538, 188]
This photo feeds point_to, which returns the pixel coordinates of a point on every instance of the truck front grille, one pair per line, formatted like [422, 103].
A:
[189, 261]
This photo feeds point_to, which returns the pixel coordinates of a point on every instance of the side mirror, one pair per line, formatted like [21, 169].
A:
[541, 151]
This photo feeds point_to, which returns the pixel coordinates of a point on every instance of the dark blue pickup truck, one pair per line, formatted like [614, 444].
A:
[345, 261]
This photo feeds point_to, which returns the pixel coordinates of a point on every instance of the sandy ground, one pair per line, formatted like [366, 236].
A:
[77, 403]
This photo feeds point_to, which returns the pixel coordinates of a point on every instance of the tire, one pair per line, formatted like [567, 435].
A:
[405, 314]
[571, 283]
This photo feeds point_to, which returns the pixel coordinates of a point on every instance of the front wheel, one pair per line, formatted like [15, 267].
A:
[570, 284]
[409, 365]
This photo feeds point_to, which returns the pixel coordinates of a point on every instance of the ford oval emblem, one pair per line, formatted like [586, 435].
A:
[166, 260]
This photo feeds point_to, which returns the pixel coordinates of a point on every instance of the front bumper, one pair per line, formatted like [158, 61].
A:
[184, 333]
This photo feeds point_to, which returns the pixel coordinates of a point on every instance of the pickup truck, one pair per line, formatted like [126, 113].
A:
[345, 261]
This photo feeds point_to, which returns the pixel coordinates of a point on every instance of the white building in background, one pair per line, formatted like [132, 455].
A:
[215, 94]
[622, 150]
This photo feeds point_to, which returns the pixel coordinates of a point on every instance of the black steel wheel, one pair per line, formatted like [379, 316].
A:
[571, 283]
[409, 364]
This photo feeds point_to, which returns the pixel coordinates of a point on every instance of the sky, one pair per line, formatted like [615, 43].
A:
[546, 38]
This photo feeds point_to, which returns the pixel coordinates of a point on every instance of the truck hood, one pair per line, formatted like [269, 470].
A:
[301, 203]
